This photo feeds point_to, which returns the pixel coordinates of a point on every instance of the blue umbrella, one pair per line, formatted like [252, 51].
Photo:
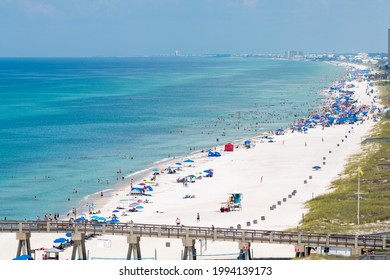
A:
[59, 240]
[188, 160]
[114, 221]
[68, 234]
[115, 211]
[316, 167]
[22, 258]
[139, 207]
[207, 171]
[81, 219]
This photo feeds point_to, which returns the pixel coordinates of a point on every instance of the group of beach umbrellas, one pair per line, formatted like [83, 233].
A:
[344, 109]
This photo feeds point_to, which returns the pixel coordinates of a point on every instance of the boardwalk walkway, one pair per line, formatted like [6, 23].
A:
[189, 234]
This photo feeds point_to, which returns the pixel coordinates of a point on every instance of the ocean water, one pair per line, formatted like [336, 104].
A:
[73, 122]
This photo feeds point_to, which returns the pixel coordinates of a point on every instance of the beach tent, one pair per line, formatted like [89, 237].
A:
[217, 154]
[59, 240]
[211, 154]
[279, 131]
[247, 143]
[229, 147]
[136, 191]
[23, 258]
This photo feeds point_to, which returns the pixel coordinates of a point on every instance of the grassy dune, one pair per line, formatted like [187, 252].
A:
[336, 212]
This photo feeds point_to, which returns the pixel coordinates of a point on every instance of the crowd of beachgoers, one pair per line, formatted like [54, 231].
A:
[273, 173]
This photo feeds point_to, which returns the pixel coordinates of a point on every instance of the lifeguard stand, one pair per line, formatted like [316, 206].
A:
[235, 199]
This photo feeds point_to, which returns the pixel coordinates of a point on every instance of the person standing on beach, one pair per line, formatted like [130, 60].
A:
[197, 217]
[177, 221]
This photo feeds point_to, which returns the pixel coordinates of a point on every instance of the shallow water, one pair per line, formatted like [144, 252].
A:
[73, 123]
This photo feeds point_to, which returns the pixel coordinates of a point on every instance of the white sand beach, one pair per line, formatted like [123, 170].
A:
[265, 174]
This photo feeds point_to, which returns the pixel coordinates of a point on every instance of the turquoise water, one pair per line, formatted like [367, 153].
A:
[72, 123]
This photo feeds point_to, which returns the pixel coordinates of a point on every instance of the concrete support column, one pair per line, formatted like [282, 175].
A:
[189, 249]
[356, 251]
[24, 243]
[245, 250]
[134, 247]
[214, 234]
[79, 245]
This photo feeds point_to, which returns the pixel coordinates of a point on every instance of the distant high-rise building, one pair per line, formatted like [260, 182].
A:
[293, 54]
[388, 47]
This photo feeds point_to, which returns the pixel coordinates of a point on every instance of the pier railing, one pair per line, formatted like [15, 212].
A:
[206, 233]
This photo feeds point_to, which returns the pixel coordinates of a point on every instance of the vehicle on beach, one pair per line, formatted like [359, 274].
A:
[225, 207]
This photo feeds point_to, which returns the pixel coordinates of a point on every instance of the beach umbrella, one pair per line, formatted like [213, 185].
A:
[68, 234]
[115, 211]
[139, 207]
[316, 167]
[22, 258]
[188, 160]
[208, 171]
[80, 219]
[114, 221]
[142, 184]
[59, 240]
[134, 204]
[155, 170]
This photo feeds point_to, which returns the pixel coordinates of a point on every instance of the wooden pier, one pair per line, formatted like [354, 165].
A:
[244, 237]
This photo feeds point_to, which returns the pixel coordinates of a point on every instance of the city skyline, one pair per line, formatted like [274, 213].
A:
[158, 27]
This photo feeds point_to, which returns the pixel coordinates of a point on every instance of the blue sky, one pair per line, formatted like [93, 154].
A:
[152, 27]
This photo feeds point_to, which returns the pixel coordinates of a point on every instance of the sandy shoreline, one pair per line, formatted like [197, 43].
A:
[276, 173]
